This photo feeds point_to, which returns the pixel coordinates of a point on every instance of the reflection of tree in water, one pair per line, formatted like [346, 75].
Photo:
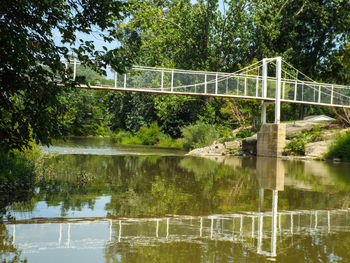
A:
[225, 186]
[154, 186]
[211, 251]
[183, 186]
[8, 252]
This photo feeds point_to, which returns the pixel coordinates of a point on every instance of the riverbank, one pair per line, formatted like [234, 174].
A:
[305, 140]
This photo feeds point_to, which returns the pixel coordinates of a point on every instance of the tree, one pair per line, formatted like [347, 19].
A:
[30, 61]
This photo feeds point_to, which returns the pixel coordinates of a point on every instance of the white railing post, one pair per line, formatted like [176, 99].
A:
[237, 85]
[66, 66]
[295, 90]
[257, 87]
[115, 80]
[172, 81]
[319, 94]
[162, 81]
[74, 68]
[332, 94]
[278, 90]
[245, 86]
[216, 83]
[205, 84]
[125, 81]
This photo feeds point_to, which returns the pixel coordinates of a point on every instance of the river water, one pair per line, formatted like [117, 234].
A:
[107, 203]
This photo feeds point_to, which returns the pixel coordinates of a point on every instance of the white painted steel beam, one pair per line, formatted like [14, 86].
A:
[278, 90]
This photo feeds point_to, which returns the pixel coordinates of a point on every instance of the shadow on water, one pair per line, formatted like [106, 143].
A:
[126, 208]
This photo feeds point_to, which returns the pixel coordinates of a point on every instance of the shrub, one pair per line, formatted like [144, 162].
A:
[149, 135]
[244, 134]
[225, 133]
[295, 147]
[340, 148]
[101, 131]
[121, 136]
[198, 135]
[167, 141]
[17, 177]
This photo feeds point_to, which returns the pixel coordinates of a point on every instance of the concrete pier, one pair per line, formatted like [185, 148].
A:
[271, 139]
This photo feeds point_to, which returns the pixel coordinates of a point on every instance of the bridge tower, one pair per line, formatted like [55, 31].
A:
[272, 136]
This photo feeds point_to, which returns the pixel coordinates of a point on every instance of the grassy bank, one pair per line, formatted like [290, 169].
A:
[193, 136]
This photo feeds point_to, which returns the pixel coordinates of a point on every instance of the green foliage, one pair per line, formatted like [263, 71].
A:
[340, 148]
[224, 132]
[87, 113]
[149, 135]
[315, 134]
[244, 134]
[131, 111]
[346, 56]
[168, 142]
[296, 146]
[121, 136]
[198, 135]
[101, 131]
[17, 177]
[30, 65]
[15, 169]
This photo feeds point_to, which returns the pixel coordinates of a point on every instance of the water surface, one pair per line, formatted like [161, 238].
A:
[154, 205]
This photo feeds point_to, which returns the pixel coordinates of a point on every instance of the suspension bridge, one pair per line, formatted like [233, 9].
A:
[271, 80]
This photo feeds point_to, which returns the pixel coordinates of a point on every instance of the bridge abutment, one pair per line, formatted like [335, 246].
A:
[271, 139]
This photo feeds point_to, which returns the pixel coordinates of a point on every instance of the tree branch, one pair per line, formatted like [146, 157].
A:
[301, 8]
[282, 7]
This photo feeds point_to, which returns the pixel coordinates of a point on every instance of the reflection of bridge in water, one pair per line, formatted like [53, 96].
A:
[261, 231]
